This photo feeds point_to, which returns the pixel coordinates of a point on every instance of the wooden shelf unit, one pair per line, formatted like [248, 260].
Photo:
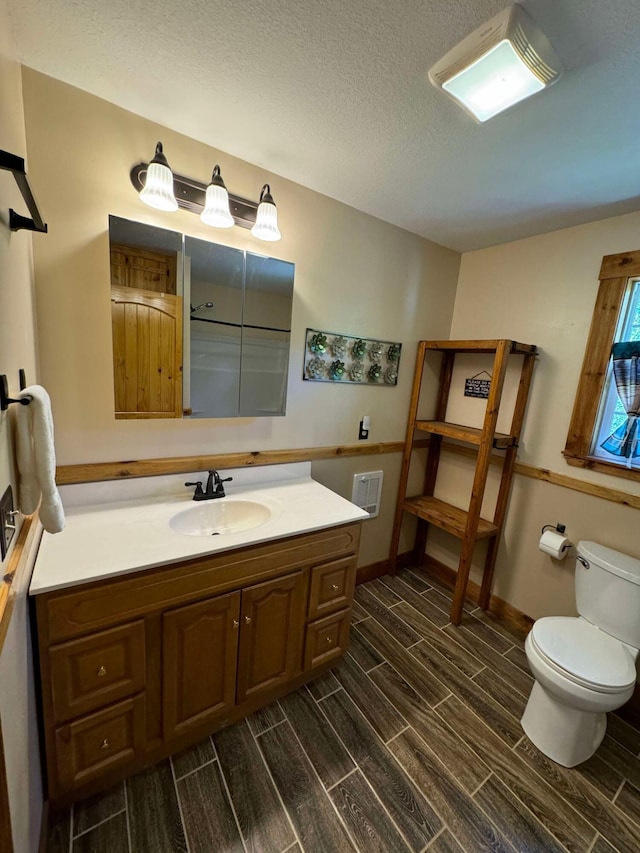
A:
[466, 525]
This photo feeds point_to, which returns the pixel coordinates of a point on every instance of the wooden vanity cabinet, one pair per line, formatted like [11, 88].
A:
[135, 668]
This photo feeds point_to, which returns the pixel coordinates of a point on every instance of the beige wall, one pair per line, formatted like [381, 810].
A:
[17, 349]
[540, 290]
[354, 274]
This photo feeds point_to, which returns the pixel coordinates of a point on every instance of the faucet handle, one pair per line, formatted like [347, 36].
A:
[219, 486]
[198, 490]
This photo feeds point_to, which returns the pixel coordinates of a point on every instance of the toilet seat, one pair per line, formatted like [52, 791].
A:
[583, 654]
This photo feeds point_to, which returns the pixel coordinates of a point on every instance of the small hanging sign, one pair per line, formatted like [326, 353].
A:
[475, 387]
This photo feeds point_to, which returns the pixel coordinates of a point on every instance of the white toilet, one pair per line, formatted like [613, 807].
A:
[585, 666]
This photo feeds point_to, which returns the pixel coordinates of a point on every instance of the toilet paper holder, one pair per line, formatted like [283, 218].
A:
[553, 541]
[559, 527]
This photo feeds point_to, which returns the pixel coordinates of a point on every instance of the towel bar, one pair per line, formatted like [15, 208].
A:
[5, 399]
[15, 164]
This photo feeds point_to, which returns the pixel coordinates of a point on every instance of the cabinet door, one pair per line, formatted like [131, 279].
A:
[200, 648]
[271, 633]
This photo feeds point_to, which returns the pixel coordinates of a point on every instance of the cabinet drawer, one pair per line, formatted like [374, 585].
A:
[96, 670]
[92, 745]
[332, 587]
[326, 639]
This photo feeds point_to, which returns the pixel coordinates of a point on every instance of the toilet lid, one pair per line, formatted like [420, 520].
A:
[584, 652]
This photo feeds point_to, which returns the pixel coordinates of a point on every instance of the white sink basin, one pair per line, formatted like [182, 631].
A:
[221, 516]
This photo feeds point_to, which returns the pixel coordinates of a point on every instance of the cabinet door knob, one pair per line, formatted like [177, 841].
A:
[247, 620]
[102, 671]
[235, 623]
[334, 587]
[329, 640]
[104, 744]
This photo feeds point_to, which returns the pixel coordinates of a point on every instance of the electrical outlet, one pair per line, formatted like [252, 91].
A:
[7, 521]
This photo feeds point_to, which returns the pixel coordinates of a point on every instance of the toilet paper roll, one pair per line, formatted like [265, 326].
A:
[554, 544]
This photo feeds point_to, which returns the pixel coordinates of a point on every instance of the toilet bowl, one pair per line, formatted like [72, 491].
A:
[585, 666]
[581, 673]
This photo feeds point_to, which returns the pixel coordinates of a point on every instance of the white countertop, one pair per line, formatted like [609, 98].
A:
[116, 528]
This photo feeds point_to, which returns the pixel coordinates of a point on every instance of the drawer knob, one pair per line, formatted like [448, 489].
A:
[247, 620]
[104, 744]
[334, 587]
[102, 671]
[329, 640]
[235, 623]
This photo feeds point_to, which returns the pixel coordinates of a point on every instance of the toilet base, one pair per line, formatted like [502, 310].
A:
[567, 735]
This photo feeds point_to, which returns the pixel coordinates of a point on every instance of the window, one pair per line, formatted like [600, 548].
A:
[612, 424]
[603, 434]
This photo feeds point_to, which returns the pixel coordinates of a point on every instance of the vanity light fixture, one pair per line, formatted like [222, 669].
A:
[216, 210]
[266, 227]
[501, 63]
[157, 191]
[163, 189]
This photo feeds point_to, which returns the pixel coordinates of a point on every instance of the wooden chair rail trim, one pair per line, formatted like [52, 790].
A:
[99, 471]
[28, 537]
[556, 479]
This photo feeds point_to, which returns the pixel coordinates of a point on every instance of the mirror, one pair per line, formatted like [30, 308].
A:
[199, 329]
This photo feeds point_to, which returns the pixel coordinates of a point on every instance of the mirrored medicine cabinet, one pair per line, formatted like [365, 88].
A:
[200, 330]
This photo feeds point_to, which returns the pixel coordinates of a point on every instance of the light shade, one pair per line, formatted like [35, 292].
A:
[216, 207]
[266, 227]
[158, 186]
[501, 63]
[496, 81]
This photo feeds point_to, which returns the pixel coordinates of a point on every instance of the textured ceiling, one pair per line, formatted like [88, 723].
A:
[334, 95]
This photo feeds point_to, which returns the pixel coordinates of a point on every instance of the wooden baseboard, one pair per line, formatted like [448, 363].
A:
[376, 570]
[506, 613]
[512, 618]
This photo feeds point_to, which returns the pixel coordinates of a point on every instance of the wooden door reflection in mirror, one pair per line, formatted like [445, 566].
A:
[146, 320]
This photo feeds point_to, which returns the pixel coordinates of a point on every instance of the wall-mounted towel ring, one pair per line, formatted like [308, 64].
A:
[5, 399]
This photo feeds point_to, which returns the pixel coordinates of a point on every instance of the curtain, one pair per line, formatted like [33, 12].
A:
[626, 371]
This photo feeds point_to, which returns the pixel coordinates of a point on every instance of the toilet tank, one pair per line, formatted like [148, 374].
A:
[608, 591]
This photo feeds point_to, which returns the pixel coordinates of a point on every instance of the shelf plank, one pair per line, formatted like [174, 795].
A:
[446, 516]
[479, 346]
[460, 432]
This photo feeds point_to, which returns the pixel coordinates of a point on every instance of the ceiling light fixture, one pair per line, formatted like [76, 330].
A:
[266, 227]
[501, 63]
[158, 187]
[157, 191]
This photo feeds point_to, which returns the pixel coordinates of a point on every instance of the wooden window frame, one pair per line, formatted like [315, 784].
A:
[615, 272]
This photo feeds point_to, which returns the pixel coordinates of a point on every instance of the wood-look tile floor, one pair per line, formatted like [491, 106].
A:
[412, 743]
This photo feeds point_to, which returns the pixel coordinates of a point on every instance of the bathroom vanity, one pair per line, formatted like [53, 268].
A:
[140, 657]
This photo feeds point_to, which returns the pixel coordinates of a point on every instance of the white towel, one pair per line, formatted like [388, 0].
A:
[36, 457]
